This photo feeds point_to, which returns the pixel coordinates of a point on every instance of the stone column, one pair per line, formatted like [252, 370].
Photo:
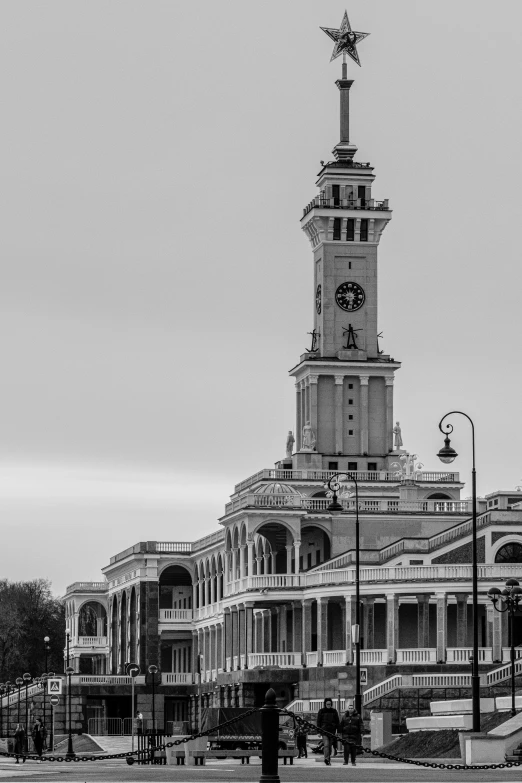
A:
[462, 619]
[298, 422]
[283, 638]
[234, 565]
[203, 652]
[241, 562]
[307, 627]
[364, 426]
[266, 558]
[392, 625]
[250, 559]
[201, 592]
[307, 399]
[423, 621]
[442, 627]
[234, 636]
[303, 410]
[368, 623]
[322, 628]
[262, 634]
[241, 635]
[297, 627]
[249, 632]
[313, 379]
[273, 563]
[212, 590]
[389, 413]
[349, 620]
[195, 653]
[226, 637]
[269, 640]
[289, 548]
[339, 428]
[297, 556]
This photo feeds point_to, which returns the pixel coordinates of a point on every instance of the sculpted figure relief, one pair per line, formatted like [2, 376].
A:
[290, 440]
[397, 436]
[308, 437]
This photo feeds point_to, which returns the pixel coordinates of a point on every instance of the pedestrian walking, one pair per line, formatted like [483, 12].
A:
[19, 743]
[38, 735]
[327, 720]
[139, 722]
[300, 735]
[351, 731]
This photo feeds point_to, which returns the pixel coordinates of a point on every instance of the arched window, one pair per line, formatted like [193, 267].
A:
[509, 553]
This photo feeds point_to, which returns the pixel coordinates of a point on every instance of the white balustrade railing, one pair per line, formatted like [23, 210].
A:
[177, 678]
[374, 657]
[235, 662]
[371, 506]
[503, 672]
[461, 655]
[312, 658]
[334, 657]
[175, 615]
[417, 656]
[32, 690]
[91, 641]
[383, 688]
[106, 679]
[324, 475]
[242, 661]
[283, 660]
[440, 680]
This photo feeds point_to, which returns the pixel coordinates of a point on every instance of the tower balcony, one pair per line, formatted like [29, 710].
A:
[175, 619]
[371, 476]
[370, 204]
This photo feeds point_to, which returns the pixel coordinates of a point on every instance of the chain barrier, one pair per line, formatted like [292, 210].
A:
[433, 765]
[130, 753]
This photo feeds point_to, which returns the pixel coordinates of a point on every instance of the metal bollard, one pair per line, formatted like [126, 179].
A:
[269, 739]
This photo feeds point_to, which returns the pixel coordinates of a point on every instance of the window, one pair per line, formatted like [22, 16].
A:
[416, 562]
[509, 553]
[361, 194]
[350, 402]
[352, 466]
[337, 228]
[364, 230]
[336, 195]
[317, 556]
[350, 230]
[350, 417]
[301, 563]
[333, 466]
[372, 466]
[350, 385]
[350, 432]
[309, 557]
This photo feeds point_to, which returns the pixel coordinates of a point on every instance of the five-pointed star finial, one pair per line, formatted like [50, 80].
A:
[345, 38]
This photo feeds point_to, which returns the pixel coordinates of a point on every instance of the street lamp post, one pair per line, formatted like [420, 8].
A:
[70, 752]
[8, 691]
[333, 486]
[152, 670]
[27, 680]
[50, 741]
[19, 682]
[47, 647]
[447, 454]
[2, 690]
[508, 600]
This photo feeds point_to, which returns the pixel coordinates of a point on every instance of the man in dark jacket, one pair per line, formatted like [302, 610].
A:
[351, 731]
[328, 720]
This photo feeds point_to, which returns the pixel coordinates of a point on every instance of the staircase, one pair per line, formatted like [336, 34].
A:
[516, 755]
[115, 744]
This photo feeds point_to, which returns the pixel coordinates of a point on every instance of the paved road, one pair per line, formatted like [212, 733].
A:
[301, 772]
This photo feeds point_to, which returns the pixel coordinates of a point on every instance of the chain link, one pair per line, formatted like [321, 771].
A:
[309, 725]
[130, 753]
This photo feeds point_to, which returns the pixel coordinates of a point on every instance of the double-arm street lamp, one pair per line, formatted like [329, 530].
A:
[47, 648]
[19, 682]
[447, 454]
[27, 680]
[152, 671]
[333, 485]
[508, 600]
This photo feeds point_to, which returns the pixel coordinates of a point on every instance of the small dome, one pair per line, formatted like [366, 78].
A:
[276, 489]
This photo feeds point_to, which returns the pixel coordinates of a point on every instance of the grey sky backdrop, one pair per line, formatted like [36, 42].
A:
[156, 286]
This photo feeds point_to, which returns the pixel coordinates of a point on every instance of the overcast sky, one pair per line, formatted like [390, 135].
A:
[156, 286]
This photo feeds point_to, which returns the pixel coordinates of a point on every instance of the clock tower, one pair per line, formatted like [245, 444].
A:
[344, 384]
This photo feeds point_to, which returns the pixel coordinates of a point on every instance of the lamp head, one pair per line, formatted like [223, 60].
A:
[69, 670]
[512, 582]
[27, 677]
[447, 454]
[493, 592]
[335, 506]
[46, 639]
[153, 669]
[516, 592]
[19, 681]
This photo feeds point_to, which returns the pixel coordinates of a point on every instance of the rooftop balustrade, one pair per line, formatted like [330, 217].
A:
[387, 476]
[321, 202]
[372, 506]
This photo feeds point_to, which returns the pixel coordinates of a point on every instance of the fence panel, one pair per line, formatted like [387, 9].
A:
[105, 726]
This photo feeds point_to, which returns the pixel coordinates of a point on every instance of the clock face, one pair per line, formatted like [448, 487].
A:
[318, 299]
[350, 296]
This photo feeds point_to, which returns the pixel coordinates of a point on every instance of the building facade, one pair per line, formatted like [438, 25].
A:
[268, 599]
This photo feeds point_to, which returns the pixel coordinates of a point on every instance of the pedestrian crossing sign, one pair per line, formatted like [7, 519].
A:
[54, 686]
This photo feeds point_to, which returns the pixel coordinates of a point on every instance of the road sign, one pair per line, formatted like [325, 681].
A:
[54, 686]
[54, 700]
